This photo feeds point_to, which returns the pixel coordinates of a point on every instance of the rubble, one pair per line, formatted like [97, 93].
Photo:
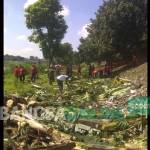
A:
[96, 109]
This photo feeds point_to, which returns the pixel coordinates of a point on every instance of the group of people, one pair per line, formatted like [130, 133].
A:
[55, 70]
[97, 72]
[20, 73]
[55, 73]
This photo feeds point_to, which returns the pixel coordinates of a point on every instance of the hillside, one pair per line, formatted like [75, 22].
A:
[137, 75]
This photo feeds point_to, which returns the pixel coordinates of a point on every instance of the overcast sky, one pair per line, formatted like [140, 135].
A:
[77, 14]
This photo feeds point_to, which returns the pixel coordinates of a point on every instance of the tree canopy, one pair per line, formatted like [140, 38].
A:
[64, 53]
[47, 24]
[119, 29]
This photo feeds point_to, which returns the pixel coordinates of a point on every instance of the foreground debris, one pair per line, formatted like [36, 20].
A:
[95, 114]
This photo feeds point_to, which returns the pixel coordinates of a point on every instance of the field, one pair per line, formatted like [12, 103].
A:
[101, 101]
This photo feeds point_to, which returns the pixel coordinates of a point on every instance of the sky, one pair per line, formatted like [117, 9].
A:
[77, 14]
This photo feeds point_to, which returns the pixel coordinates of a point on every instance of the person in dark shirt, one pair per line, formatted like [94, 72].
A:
[23, 74]
[90, 71]
[69, 70]
[51, 72]
[79, 71]
[33, 73]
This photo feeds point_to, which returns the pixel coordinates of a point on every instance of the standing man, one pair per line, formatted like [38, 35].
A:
[134, 60]
[21, 72]
[69, 70]
[57, 69]
[79, 71]
[51, 72]
[93, 71]
[33, 73]
[90, 70]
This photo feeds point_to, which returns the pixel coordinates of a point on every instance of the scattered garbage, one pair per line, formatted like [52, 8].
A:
[95, 110]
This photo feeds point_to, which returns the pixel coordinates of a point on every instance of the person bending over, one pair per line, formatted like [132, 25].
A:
[60, 79]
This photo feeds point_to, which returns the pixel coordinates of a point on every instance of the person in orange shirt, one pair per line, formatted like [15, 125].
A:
[22, 73]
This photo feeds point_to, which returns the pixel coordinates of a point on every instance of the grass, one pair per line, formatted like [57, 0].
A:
[11, 85]
[136, 74]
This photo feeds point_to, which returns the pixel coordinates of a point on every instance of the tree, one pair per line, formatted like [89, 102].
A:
[87, 50]
[64, 53]
[76, 58]
[48, 26]
[120, 27]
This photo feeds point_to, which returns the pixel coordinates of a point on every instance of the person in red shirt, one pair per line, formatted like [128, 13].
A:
[22, 73]
[94, 73]
[33, 73]
[16, 72]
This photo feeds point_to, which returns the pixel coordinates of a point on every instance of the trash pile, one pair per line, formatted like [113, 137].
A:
[98, 113]
[23, 131]
[94, 93]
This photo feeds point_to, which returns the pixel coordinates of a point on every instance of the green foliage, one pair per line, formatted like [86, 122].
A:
[11, 85]
[120, 27]
[64, 54]
[48, 25]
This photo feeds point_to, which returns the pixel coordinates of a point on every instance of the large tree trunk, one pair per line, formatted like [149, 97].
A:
[50, 45]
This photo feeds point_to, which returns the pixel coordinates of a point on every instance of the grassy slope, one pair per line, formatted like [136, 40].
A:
[137, 74]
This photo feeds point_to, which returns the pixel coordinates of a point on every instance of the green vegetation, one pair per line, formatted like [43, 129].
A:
[48, 26]
[11, 85]
[118, 31]
[87, 100]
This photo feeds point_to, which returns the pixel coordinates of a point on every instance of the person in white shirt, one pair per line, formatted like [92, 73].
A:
[60, 80]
